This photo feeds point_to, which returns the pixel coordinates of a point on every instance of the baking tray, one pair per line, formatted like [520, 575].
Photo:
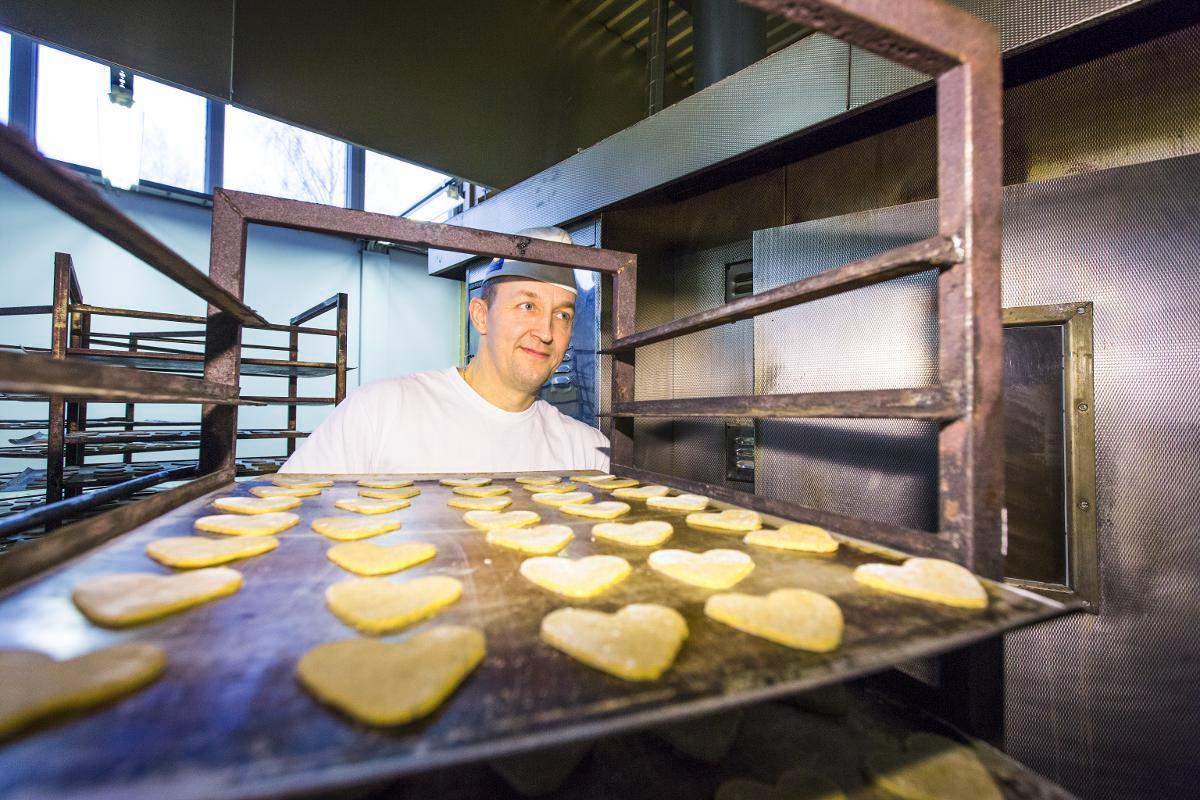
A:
[229, 720]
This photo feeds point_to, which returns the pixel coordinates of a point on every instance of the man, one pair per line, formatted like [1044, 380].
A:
[485, 418]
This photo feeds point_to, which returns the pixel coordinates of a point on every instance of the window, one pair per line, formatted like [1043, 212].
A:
[173, 134]
[5, 64]
[269, 157]
[394, 186]
[68, 91]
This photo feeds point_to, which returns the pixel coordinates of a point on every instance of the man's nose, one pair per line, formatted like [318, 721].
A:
[544, 329]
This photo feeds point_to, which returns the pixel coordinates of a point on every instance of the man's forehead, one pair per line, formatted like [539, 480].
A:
[512, 287]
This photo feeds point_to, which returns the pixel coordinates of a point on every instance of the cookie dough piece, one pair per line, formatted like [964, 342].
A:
[390, 683]
[712, 569]
[589, 478]
[796, 618]
[402, 493]
[368, 558]
[131, 598]
[795, 783]
[576, 578]
[465, 481]
[294, 480]
[929, 579]
[636, 534]
[680, 502]
[609, 509]
[486, 520]
[550, 488]
[932, 768]
[481, 491]
[735, 520]
[543, 540]
[614, 483]
[794, 536]
[538, 480]
[283, 491]
[555, 499]
[385, 482]
[480, 503]
[255, 505]
[366, 505]
[637, 643]
[239, 525]
[34, 686]
[378, 606]
[192, 552]
[349, 529]
[641, 493]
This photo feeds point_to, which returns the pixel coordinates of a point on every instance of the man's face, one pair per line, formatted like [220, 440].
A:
[526, 330]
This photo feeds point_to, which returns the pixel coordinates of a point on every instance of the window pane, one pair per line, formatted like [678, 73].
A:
[68, 88]
[172, 135]
[269, 157]
[439, 209]
[5, 58]
[393, 186]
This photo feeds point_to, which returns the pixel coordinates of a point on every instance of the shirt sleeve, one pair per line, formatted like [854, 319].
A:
[342, 443]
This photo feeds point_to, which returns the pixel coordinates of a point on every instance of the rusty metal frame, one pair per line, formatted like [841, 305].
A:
[234, 212]
[963, 54]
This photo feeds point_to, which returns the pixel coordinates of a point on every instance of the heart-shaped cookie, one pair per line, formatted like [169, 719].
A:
[283, 491]
[385, 482]
[680, 502]
[486, 520]
[929, 579]
[794, 536]
[609, 509]
[368, 505]
[542, 540]
[614, 483]
[636, 534]
[637, 643]
[295, 480]
[481, 491]
[793, 784]
[589, 478]
[465, 481]
[931, 767]
[554, 499]
[641, 493]
[255, 505]
[34, 686]
[538, 480]
[480, 503]
[191, 552]
[793, 617]
[389, 683]
[576, 578]
[378, 606]
[734, 520]
[400, 493]
[349, 529]
[712, 569]
[239, 525]
[550, 488]
[368, 558]
[130, 598]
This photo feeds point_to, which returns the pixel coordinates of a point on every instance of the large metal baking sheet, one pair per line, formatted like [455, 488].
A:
[229, 720]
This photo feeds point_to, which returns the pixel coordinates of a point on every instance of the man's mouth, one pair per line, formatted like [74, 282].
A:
[535, 353]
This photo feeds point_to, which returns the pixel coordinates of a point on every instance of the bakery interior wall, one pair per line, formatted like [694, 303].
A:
[1102, 161]
[401, 319]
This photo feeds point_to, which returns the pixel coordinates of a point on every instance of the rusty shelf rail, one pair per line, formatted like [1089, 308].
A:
[962, 53]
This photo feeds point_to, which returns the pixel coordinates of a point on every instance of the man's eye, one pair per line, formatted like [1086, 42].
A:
[526, 306]
[565, 316]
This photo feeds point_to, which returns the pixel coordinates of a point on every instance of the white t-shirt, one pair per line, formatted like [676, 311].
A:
[435, 422]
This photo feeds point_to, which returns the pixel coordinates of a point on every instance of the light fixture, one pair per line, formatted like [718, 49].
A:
[120, 132]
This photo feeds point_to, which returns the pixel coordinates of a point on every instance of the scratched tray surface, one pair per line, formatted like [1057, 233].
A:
[228, 718]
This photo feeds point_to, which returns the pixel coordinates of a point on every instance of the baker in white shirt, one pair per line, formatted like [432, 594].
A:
[484, 418]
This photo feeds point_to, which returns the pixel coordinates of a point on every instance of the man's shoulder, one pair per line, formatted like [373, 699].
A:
[573, 426]
[387, 389]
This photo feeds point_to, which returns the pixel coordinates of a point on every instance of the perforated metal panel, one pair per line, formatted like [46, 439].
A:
[1105, 705]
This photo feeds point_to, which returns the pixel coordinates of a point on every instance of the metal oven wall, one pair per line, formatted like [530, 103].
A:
[1106, 704]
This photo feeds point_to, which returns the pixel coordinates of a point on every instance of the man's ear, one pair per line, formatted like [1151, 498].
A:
[477, 311]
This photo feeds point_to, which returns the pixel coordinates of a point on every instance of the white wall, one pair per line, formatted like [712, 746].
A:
[408, 322]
